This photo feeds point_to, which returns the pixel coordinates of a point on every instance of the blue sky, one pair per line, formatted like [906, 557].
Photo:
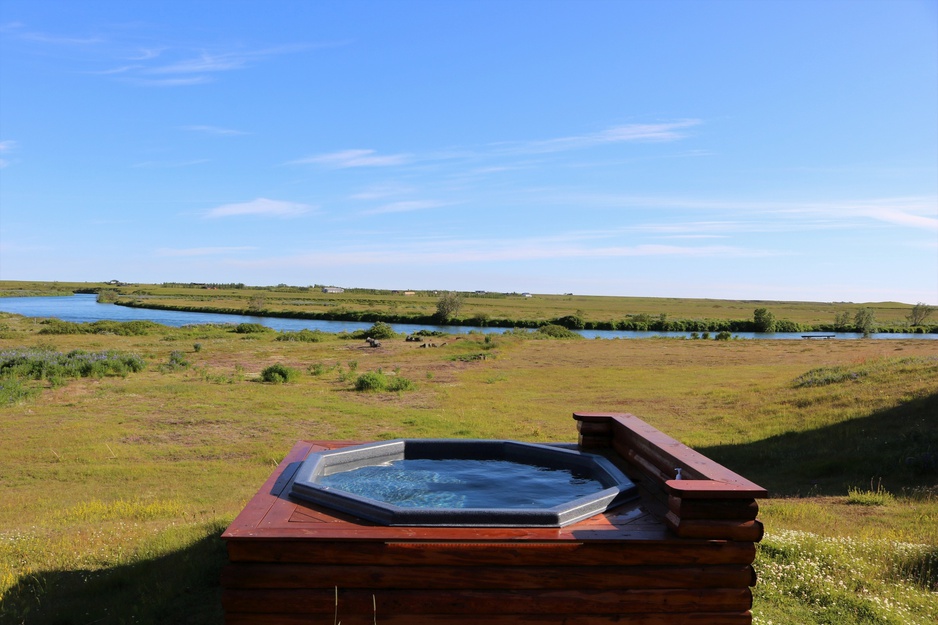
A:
[743, 150]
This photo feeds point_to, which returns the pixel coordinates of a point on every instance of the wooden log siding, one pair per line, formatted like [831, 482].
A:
[682, 555]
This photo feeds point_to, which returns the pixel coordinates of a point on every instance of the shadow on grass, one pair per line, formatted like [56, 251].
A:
[180, 587]
[898, 446]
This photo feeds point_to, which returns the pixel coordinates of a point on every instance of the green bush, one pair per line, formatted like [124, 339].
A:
[554, 331]
[400, 383]
[279, 374]
[177, 361]
[724, 336]
[316, 369]
[45, 364]
[380, 330]
[121, 328]
[13, 391]
[378, 381]
[305, 336]
[251, 328]
[371, 381]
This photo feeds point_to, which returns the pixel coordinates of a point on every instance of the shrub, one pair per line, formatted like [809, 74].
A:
[378, 381]
[107, 296]
[13, 391]
[45, 364]
[316, 369]
[279, 374]
[177, 361]
[400, 383]
[554, 331]
[251, 328]
[371, 381]
[305, 336]
[380, 330]
[724, 336]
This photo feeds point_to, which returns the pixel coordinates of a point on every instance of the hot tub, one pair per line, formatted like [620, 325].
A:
[463, 483]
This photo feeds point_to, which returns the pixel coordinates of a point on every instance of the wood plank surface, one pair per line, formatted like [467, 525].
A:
[486, 602]
[282, 575]
[672, 552]
[381, 618]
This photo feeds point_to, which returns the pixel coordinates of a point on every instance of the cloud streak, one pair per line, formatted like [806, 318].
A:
[215, 130]
[262, 207]
[628, 133]
[354, 158]
[406, 206]
[501, 251]
[6, 146]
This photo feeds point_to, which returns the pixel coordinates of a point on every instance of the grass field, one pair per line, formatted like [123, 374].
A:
[116, 484]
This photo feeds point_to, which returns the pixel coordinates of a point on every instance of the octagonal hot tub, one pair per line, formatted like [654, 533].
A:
[463, 483]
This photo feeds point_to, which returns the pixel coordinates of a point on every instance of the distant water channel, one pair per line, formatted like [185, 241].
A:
[83, 308]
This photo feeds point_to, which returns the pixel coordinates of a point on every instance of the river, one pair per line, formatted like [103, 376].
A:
[83, 308]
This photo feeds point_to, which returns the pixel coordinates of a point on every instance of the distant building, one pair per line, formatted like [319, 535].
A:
[525, 295]
[333, 289]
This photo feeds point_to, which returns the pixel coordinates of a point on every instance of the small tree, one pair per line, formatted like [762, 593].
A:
[448, 306]
[842, 321]
[864, 320]
[920, 314]
[764, 320]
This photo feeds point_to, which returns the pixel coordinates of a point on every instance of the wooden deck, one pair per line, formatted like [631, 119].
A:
[680, 555]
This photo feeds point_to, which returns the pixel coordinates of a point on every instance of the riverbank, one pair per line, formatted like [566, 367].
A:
[500, 310]
[571, 322]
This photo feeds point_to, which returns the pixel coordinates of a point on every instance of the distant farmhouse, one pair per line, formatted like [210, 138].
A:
[333, 289]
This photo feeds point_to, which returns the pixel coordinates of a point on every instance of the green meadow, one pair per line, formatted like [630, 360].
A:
[128, 448]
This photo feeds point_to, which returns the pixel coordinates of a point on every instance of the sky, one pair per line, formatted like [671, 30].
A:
[704, 149]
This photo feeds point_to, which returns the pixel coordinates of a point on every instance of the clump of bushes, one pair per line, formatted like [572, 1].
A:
[554, 331]
[44, 364]
[379, 381]
[13, 391]
[251, 328]
[121, 328]
[279, 374]
[380, 330]
[177, 361]
[305, 336]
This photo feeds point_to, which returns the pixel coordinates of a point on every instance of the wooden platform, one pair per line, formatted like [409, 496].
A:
[680, 555]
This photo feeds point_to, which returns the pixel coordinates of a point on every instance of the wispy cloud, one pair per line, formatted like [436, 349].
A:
[215, 130]
[19, 30]
[478, 251]
[406, 206]
[666, 131]
[261, 206]
[354, 158]
[382, 191]
[6, 146]
[202, 251]
[670, 131]
[903, 212]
